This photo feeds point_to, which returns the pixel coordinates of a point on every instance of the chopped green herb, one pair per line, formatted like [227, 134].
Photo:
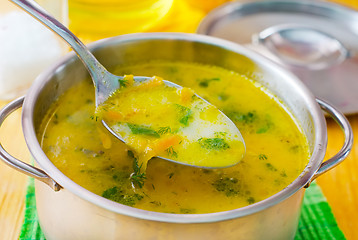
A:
[262, 157]
[295, 148]
[90, 171]
[266, 125]
[94, 118]
[207, 171]
[184, 114]
[278, 182]
[230, 186]
[118, 195]
[142, 130]
[251, 200]
[205, 81]
[245, 118]
[213, 143]
[170, 175]
[187, 210]
[156, 203]
[262, 130]
[171, 152]
[138, 177]
[220, 134]
[271, 167]
[130, 154]
[164, 130]
[55, 120]
[262, 123]
[122, 82]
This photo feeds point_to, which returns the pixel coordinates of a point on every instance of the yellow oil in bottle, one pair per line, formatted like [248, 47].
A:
[93, 19]
[205, 5]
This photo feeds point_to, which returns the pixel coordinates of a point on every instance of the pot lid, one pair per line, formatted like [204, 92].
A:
[316, 40]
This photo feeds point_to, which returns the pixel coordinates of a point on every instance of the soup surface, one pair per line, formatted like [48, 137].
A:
[157, 119]
[276, 148]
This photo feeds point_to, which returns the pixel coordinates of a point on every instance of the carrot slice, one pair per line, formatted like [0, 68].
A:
[186, 95]
[113, 115]
[163, 144]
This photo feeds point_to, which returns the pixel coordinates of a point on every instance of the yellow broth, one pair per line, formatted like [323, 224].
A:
[276, 148]
[157, 119]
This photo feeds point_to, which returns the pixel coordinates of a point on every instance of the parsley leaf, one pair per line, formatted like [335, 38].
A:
[143, 130]
[213, 143]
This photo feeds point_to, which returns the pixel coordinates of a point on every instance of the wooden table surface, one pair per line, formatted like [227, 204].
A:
[339, 185]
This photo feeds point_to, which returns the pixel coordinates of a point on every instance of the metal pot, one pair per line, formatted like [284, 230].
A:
[68, 211]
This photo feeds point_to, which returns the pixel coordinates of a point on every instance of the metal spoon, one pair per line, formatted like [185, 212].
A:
[105, 82]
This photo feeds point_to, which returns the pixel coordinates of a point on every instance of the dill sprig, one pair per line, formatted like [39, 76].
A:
[164, 130]
[213, 143]
[94, 118]
[137, 177]
[123, 82]
[171, 152]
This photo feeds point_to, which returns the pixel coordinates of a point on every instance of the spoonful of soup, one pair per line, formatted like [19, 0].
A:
[160, 118]
[154, 117]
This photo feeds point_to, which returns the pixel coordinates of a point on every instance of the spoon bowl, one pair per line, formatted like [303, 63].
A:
[107, 84]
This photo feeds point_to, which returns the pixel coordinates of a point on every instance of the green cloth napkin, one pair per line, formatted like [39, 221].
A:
[316, 222]
[30, 229]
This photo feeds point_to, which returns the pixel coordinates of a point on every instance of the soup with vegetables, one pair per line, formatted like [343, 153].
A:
[276, 149]
[155, 118]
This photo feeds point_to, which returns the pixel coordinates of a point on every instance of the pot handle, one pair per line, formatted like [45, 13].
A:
[343, 122]
[16, 163]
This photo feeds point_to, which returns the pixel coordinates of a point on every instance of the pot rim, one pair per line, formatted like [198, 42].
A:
[320, 133]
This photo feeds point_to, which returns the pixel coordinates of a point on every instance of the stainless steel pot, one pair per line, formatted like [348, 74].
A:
[68, 211]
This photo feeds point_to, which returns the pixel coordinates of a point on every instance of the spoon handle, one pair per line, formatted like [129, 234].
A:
[103, 80]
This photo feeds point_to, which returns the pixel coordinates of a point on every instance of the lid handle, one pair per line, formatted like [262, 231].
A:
[302, 46]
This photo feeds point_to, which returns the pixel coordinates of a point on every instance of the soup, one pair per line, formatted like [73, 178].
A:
[155, 118]
[276, 148]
